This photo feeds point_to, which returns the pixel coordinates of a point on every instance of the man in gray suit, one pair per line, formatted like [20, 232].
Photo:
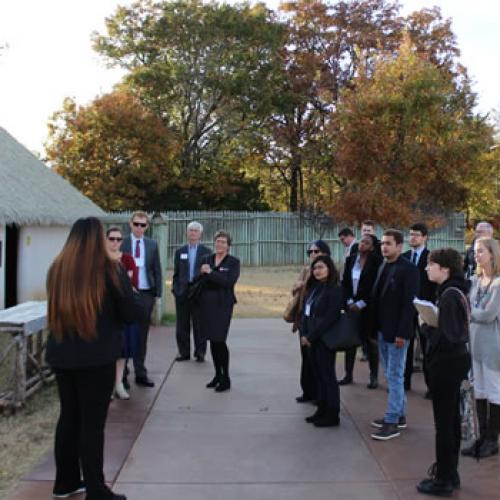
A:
[187, 264]
[147, 259]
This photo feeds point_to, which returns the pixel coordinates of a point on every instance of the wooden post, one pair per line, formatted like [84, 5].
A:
[20, 371]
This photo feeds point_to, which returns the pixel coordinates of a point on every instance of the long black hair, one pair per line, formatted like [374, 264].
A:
[333, 275]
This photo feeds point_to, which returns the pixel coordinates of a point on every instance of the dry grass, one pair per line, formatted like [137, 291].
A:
[27, 436]
[262, 292]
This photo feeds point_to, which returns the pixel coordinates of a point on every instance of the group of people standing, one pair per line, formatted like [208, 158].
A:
[102, 287]
[379, 282]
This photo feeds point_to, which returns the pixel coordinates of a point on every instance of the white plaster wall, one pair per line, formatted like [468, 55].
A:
[38, 246]
[2, 267]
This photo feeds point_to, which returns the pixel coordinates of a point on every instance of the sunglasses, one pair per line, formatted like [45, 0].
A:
[112, 238]
[310, 252]
[140, 224]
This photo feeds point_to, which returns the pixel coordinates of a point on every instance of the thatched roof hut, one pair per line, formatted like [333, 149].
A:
[32, 194]
[37, 208]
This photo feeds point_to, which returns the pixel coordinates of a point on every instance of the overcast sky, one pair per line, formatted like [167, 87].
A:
[50, 56]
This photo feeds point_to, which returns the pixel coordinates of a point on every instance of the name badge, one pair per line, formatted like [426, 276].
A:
[307, 310]
[184, 256]
[223, 269]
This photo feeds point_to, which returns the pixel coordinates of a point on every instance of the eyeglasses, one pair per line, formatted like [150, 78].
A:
[112, 238]
[140, 224]
[309, 252]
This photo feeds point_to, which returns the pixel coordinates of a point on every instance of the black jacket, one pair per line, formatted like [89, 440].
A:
[367, 278]
[118, 308]
[427, 289]
[325, 310]
[153, 265]
[180, 280]
[391, 308]
[222, 279]
[449, 339]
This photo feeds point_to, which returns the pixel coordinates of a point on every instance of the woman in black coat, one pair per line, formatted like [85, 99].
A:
[322, 307]
[219, 273]
[360, 273]
[89, 300]
[448, 363]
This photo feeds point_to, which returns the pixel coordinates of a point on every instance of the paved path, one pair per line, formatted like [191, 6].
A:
[183, 441]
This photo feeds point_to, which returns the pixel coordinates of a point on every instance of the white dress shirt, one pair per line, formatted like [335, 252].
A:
[140, 262]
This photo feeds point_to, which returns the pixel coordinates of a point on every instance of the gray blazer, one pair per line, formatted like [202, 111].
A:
[153, 266]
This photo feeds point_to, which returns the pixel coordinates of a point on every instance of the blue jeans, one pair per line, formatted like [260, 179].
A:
[393, 361]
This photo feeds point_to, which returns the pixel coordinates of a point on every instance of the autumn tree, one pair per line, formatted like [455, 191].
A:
[115, 151]
[207, 70]
[408, 139]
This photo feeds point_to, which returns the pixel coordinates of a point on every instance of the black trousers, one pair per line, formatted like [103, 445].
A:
[371, 353]
[84, 395]
[187, 314]
[445, 378]
[147, 300]
[328, 392]
[410, 355]
[308, 381]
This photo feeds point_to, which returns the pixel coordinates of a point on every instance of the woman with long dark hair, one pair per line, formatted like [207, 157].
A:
[448, 362]
[322, 308]
[89, 299]
[307, 380]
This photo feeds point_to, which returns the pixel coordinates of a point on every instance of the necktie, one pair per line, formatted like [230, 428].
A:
[414, 258]
[137, 249]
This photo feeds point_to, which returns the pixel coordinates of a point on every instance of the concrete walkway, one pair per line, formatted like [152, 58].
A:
[183, 441]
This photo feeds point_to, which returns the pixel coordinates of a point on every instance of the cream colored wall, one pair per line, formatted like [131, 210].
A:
[38, 246]
[2, 267]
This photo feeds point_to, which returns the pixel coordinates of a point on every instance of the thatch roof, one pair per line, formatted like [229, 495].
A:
[31, 193]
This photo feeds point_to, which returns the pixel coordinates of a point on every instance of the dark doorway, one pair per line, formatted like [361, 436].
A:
[11, 257]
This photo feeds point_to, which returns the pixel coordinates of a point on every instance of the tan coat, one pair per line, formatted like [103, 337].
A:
[299, 288]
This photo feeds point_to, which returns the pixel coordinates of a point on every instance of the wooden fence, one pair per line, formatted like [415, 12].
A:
[268, 238]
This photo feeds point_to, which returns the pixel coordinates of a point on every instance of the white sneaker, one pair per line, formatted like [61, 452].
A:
[120, 391]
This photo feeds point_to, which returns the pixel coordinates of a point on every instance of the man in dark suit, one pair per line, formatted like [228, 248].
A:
[418, 255]
[347, 238]
[187, 264]
[147, 259]
[392, 317]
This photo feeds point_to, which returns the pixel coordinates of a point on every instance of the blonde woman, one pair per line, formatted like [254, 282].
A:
[485, 345]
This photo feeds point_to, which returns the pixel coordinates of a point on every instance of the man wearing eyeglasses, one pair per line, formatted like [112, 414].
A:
[147, 259]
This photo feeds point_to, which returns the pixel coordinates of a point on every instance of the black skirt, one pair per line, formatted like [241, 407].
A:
[214, 315]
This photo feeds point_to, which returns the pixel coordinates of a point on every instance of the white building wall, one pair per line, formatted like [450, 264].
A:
[38, 246]
[2, 267]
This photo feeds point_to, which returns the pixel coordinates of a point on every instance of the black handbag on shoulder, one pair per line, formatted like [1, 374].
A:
[345, 333]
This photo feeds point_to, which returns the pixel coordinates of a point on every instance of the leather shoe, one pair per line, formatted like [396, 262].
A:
[373, 384]
[347, 380]
[223, 385]
[302, 399]
[182, 358]
[436, 487]
[144, 382]
[200, 358]
[213, 383]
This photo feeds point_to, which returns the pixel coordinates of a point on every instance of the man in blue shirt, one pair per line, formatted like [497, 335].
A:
[187, 263]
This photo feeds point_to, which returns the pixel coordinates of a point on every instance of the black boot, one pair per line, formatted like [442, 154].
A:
[489, 447]
[329, 419]
[223, 385]
[213, 382]
[346, 380]
[482, 417]
[319, 413]
[435, 487]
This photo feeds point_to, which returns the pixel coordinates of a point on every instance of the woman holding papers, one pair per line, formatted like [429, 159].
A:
[485, 345]
[448, 364]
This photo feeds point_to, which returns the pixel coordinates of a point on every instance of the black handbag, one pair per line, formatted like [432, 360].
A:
[345, 333]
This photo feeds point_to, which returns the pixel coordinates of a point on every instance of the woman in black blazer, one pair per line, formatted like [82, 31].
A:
[219, 273]
[360, 273]
[90, 298]
[322, 306]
